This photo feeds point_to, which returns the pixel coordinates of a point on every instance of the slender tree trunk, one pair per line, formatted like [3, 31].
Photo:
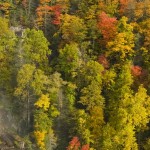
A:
[28, 111]
[29, 8]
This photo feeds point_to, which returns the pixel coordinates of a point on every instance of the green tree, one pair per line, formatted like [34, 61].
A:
[128, 112]
[147, 145]
[122, 45]
[31, 82]
[145, 30]
[7, 55]
[69, 60]
[90, 96]
[72, 28]
[47, 113]
[35, 48]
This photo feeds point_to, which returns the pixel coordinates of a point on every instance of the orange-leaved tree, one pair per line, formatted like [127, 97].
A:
[108, 26]
[75, 144]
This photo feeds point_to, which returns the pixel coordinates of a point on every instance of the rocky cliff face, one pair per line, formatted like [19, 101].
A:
[11, 141]
[10, 130]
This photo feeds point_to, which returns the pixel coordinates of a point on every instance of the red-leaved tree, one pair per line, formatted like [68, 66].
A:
[103, 60]
[74, 144]
[85, 147]
[56, 14]
[47, 13]
[107, 26]
[123, 6]
[136, 70]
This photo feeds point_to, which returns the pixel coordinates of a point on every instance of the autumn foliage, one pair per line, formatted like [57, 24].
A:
[123, 6]
[103, 60]
[40, 136]
[24, 3]
[85, 147]
[136, 70]
[74, 144]
[75, 74]
[5, 8]
[107, 26]
[45, 12]
[56, 14]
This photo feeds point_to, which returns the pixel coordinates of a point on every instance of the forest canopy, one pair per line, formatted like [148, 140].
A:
[75, 74]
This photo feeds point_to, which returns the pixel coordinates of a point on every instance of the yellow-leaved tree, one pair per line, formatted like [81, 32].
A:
[121, 47]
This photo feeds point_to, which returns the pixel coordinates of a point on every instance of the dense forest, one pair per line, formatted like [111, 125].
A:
[75, 74]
